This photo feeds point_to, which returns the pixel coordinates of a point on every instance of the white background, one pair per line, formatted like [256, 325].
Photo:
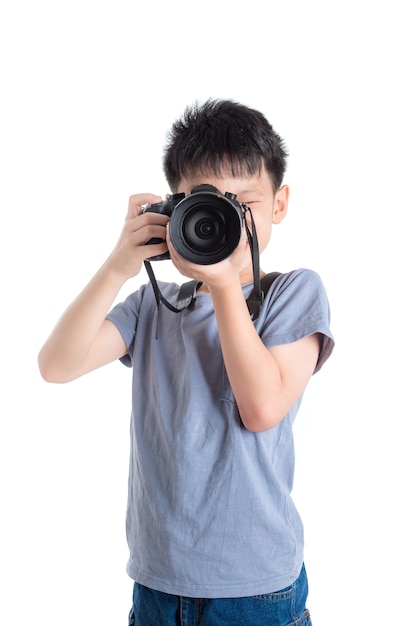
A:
[89, 90]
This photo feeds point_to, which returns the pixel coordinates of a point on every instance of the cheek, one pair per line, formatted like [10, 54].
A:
[263, 224]
[263, 230]
[262, 227]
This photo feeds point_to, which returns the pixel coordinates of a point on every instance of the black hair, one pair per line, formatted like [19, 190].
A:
[221, 136]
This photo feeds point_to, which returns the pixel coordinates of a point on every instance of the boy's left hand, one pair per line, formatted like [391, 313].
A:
[216, 274]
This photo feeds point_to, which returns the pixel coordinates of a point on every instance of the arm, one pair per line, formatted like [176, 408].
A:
[83, 339]
[266, 381]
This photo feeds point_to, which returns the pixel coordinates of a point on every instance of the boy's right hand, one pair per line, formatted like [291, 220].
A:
[132, 248]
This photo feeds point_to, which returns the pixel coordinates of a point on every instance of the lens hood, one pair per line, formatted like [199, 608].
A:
[205, 227]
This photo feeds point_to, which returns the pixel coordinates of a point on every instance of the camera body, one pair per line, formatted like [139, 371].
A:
[205, 226]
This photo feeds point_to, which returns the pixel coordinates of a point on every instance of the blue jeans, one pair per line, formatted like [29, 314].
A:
[282, 608]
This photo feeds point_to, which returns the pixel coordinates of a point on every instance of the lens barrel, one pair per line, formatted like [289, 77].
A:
[205, 227]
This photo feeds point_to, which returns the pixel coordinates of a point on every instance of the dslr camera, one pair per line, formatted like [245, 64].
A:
[205, 226]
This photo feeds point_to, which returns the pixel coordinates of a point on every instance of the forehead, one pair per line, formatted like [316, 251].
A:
[225, 181]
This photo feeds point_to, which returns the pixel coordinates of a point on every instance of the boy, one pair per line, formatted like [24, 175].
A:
[214, 536]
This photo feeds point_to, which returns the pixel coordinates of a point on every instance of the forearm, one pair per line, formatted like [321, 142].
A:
[62, 356]
[253, 373]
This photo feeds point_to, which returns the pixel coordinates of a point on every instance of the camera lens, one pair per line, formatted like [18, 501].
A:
[205, 227]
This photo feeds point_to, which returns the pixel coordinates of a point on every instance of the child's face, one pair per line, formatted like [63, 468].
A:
[267, 208]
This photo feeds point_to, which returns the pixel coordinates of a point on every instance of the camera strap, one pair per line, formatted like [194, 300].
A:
[185, 297]
[257, 296]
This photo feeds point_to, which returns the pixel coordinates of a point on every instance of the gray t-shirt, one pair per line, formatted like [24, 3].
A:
[209, 507]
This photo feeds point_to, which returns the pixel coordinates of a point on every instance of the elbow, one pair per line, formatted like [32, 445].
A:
[260, 427]
[261, 421]
[49, 372]
[49, 377]
[45, 370]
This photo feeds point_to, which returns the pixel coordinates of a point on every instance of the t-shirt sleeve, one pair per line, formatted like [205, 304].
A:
[295, 307]
[125, 317]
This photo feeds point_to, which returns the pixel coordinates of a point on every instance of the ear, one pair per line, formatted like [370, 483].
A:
[281, 200]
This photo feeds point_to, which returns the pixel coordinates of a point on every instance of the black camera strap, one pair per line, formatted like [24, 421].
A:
[185, 297]
[257, 297]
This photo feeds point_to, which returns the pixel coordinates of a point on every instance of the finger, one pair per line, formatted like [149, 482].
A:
[146, 220]
[137, 201]
[173, 252]
[150, 231]
[155, 249]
